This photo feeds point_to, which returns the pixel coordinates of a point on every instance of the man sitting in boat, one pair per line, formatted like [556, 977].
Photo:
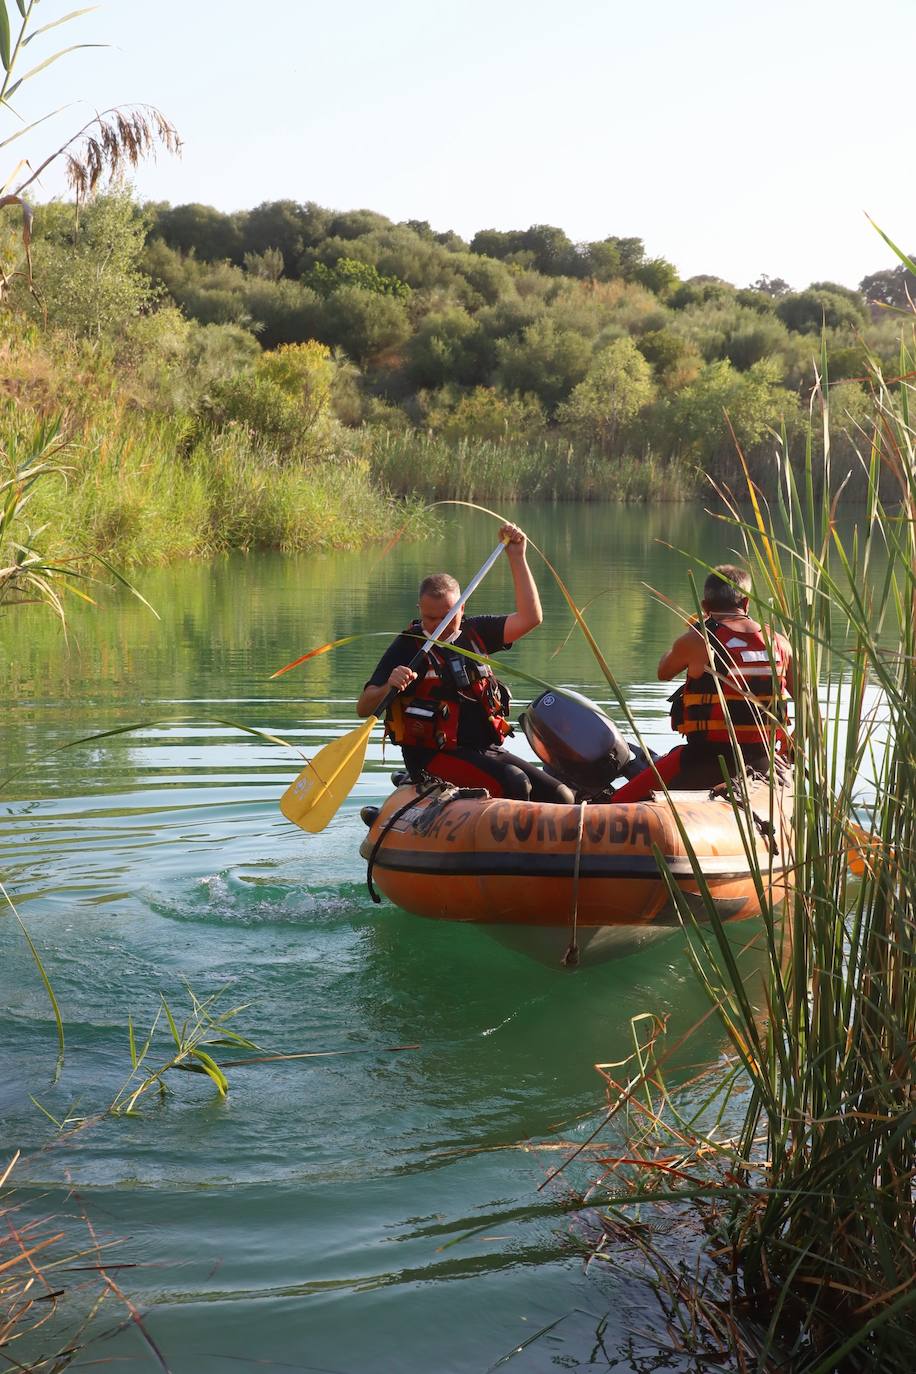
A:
[750, 664]
[451, 721]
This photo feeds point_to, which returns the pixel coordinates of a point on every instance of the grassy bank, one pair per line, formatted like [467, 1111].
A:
[191, 447]
[144, 481]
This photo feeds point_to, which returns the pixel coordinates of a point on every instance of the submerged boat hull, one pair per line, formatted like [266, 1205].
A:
[512, 868]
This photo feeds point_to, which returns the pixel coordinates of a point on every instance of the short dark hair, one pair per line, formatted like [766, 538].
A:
[726, 587]
[438, 585]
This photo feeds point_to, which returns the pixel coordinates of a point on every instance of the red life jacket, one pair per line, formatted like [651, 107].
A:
[751, 667]
[427, 715]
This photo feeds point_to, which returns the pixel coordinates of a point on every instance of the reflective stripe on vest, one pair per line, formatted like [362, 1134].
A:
[428, 714]
[751, 670]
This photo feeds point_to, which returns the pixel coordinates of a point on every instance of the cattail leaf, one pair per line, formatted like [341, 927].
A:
[4, 36]
[58, 1019]
[213, 1070]
[904, 258]
[21, 5]
[55, 23]
[119, 577]
[171, 1020]
[74, 47]
[26, 129]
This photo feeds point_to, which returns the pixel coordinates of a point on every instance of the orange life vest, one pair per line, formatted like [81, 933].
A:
[427, 715]
[751, 668]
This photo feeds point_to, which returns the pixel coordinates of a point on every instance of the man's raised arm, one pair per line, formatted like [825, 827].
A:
[527, 614]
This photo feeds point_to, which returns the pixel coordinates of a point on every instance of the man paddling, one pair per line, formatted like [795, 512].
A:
[739, 674]
[450, 719]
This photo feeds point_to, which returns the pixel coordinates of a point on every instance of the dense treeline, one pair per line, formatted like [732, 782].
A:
[524, 333]
[519, 364]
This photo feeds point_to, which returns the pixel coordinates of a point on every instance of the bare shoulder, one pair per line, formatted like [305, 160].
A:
[682, 653]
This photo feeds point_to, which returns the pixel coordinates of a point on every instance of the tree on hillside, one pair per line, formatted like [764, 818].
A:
[602, 260]
[771, 286]
[280, 312]
[674, 360]
[362, 323]
[496, 243]
[442, 350]
[91, 282]
[198, 229]
[895, 286]
[267, 265]
[285, 225]
[490, 280]
[658, 275]
[542, 246]
[617, 386]
[822, 305]
[351, 272]
[552, 251]
[837, 289]
[353, 224]
[486, 413]
[546, 361]
[700, 418]
[284, 399]
[698, 290]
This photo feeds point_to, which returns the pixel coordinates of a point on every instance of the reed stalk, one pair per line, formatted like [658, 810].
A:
[811, 1204]
[427, 465]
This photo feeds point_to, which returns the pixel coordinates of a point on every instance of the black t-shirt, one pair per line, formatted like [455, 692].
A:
[473, 730]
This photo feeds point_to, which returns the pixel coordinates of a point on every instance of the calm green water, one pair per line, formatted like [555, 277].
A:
[301, 1223]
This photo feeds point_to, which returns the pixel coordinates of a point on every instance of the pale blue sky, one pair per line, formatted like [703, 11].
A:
[733, 138]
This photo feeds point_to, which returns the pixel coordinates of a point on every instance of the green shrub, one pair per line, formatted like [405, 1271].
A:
[618, 385]
[486, 413]
[88, 269]
[284, 400]
[545, 361]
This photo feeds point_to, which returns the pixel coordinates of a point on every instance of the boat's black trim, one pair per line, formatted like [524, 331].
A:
[518, 865]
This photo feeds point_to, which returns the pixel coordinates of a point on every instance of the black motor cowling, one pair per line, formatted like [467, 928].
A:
[576, 740]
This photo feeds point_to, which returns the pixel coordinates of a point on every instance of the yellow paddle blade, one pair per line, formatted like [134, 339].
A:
[328, 780]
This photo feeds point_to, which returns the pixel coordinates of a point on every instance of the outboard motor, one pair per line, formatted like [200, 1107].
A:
[578, 743]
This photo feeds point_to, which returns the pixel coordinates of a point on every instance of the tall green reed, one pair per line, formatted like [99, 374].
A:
[427, 465]
[814, 1208]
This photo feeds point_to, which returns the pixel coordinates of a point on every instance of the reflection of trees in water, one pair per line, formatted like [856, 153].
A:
[226, 625]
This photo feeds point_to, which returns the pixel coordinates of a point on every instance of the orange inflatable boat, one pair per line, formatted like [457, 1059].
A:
[578, 883]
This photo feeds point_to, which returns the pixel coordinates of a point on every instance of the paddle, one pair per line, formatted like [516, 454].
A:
[319, 790]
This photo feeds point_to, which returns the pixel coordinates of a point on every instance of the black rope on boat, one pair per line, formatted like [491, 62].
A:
[402, 810]
[762, 824]
[571, 957]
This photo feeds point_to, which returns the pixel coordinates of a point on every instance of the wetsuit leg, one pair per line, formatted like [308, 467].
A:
[646, 782]
[544, 786]
[493, 769]
[701, 764]
[696, 767]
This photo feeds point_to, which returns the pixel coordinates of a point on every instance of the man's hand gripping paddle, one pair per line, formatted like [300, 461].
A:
[316, 795]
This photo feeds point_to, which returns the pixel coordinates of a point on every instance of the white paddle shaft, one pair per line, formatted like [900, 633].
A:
[444, 623]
